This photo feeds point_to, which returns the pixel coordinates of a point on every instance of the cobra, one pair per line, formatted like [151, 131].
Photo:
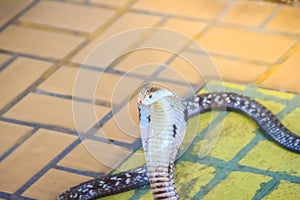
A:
[163, 121]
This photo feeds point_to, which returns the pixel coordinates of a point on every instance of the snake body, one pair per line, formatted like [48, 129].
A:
[163, 120]
[163, 123]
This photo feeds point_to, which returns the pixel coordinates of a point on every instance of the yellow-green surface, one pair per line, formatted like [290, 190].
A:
[243, 163]
[285, 190]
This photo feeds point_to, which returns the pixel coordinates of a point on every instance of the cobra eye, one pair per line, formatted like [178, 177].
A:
[150, 96]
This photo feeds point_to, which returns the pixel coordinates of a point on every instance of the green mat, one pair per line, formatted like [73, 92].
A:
[243, 164]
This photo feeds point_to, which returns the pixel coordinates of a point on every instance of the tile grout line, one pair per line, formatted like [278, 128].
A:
[30, 56]
[63, 130]
[98, 102]
[221, 173]
[57, 159]
[152, 13]
[268, 19]
[221, 164]
[29, 186]
[119, 12]
[257, 29]
[124, 100]
[51, 70]
[235, 160]
[57, 64]
[102, 121]
[18, 143]
[13, 196]
[8, 62]
[29, 89]
[278, 63]
[231, 57]
[225, 168]
[37, 125]
[4, 195]
[272, 185]
[72, 64]
[47, 167]
[267, 189]
[78, 172]
[191, 40]
[50, 28]
[89, 3]
[14, 18]
[136, 44]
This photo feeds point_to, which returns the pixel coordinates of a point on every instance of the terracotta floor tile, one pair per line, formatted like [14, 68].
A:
[37, 42]
[18, 76]
[286, 20]
[61, 81]
[81, 159]
[49, 110]
[154, 53]
[178, 30]
[181, 70]
[53, 183]
[240, 71]
[11, 8]
[39, 149]
[202, 9]
[245, 44]
[143, 57]
[76, 1]
[107, 156]
[4, 58]
[211, 68]
[61, 14]
[124, 124]
[112, 2]
[126, 22]
[286, 75]
[64, 79]
[249, 13]
[114, 88]
[10, 134]
[181, 90]
[183, 26]
[163, 39]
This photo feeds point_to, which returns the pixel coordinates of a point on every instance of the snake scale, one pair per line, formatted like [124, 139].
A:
[163, 120]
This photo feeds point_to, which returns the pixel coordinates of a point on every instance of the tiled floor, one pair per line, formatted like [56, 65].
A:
[51, 51]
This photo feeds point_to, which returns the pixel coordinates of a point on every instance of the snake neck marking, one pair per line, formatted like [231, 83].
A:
[156, 106]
